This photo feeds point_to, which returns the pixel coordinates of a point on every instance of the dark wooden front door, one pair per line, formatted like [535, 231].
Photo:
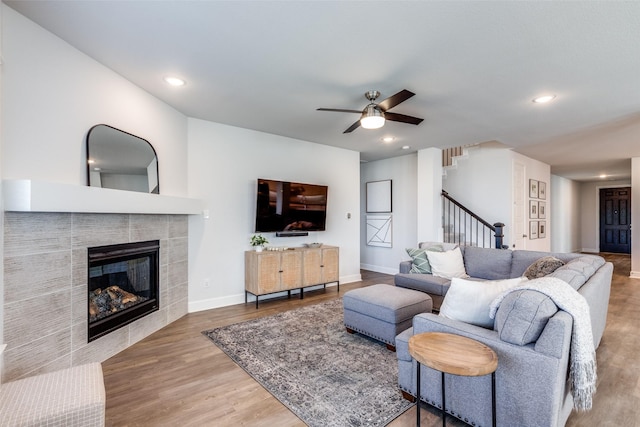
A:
[615, 220]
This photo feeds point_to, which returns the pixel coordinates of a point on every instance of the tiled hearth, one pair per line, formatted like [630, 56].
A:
[45, 280]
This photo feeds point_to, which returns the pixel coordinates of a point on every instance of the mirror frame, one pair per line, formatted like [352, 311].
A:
[155, 190]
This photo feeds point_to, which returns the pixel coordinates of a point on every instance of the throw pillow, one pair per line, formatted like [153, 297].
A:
[542, 267]
[523, 315]
[447, 264]
[469, 301]
[420, 262]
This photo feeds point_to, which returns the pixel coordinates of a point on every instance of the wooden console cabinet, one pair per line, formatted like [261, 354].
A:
[270, 271]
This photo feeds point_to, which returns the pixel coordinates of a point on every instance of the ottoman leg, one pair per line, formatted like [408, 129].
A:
[351, 331]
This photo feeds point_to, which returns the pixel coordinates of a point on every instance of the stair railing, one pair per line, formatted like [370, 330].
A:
[463, 227]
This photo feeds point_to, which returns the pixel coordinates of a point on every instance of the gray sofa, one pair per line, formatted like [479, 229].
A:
[531, 379]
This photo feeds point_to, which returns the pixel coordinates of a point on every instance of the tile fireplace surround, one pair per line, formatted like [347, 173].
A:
[45, 285]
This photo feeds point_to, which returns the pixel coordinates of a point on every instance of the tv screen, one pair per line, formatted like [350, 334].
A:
[290, 206]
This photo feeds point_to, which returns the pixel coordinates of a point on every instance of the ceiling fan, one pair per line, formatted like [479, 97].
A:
[374, 115]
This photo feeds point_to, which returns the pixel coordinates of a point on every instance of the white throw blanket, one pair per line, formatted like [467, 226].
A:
[582, 371]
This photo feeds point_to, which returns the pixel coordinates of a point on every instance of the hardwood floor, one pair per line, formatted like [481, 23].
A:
[177, 377]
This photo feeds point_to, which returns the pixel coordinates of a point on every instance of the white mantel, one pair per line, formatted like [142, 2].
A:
[24, 195]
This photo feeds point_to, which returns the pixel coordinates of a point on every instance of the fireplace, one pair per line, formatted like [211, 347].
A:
[123, 285]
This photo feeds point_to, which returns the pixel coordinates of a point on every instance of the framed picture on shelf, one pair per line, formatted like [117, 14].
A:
[533, 209]
[533, 188]
[542, 210]
[533, 230]
[542, 229]
[542, 190]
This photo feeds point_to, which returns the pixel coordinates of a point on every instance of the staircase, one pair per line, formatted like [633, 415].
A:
[451, 157]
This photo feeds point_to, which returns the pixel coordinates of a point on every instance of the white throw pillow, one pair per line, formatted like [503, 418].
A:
[469, 301]
[447, 264]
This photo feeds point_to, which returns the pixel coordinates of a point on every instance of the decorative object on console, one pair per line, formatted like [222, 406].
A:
[258, 241]
[122, 161]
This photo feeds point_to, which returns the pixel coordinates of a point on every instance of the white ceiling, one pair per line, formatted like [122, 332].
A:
[474, 66]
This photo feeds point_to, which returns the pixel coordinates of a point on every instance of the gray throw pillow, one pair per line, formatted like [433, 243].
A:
[420, 262]
[523, 315]
[542, 267]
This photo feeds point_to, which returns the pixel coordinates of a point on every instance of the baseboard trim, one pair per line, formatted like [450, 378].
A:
[634, 275]
[590, 250]
[378, 269]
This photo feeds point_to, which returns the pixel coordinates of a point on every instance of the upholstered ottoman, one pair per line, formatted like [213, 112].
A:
[383, 311]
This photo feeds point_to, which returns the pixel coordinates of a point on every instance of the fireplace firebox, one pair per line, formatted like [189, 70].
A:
[123, 285]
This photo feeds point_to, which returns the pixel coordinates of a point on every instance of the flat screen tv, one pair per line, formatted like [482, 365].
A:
[290, 207]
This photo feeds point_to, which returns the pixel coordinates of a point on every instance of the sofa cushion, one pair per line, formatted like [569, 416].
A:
[420, 262]
[469, 301]
[447, 264]
[542, 266]
[487, 263]
[422, 282]
[523, 315]
[577, 271]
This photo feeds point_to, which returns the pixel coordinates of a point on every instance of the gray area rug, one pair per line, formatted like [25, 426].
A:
[323, 374]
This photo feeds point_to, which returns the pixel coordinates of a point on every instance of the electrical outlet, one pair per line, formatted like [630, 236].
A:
[206, 283]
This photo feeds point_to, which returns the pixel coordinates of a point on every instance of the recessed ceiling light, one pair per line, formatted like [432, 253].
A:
[543, 99]
[174, 81]
[388, 139]
[91, 161]
[603, 176]
[406, 147]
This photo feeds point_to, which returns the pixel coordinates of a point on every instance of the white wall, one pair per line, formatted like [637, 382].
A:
[53, 94]
[590, 212]
[402, 172]
[566, 215]
[224, 164]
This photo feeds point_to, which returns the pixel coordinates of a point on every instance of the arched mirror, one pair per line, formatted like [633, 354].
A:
[119, 160]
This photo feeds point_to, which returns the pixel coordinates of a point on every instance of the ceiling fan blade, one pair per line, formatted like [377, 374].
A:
[396, 99]
[339, 110]
[353, 127]
[395, 117]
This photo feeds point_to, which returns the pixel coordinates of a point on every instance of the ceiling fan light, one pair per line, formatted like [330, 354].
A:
[372, 117]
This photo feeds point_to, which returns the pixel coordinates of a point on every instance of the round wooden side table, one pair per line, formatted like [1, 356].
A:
[456, 355]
